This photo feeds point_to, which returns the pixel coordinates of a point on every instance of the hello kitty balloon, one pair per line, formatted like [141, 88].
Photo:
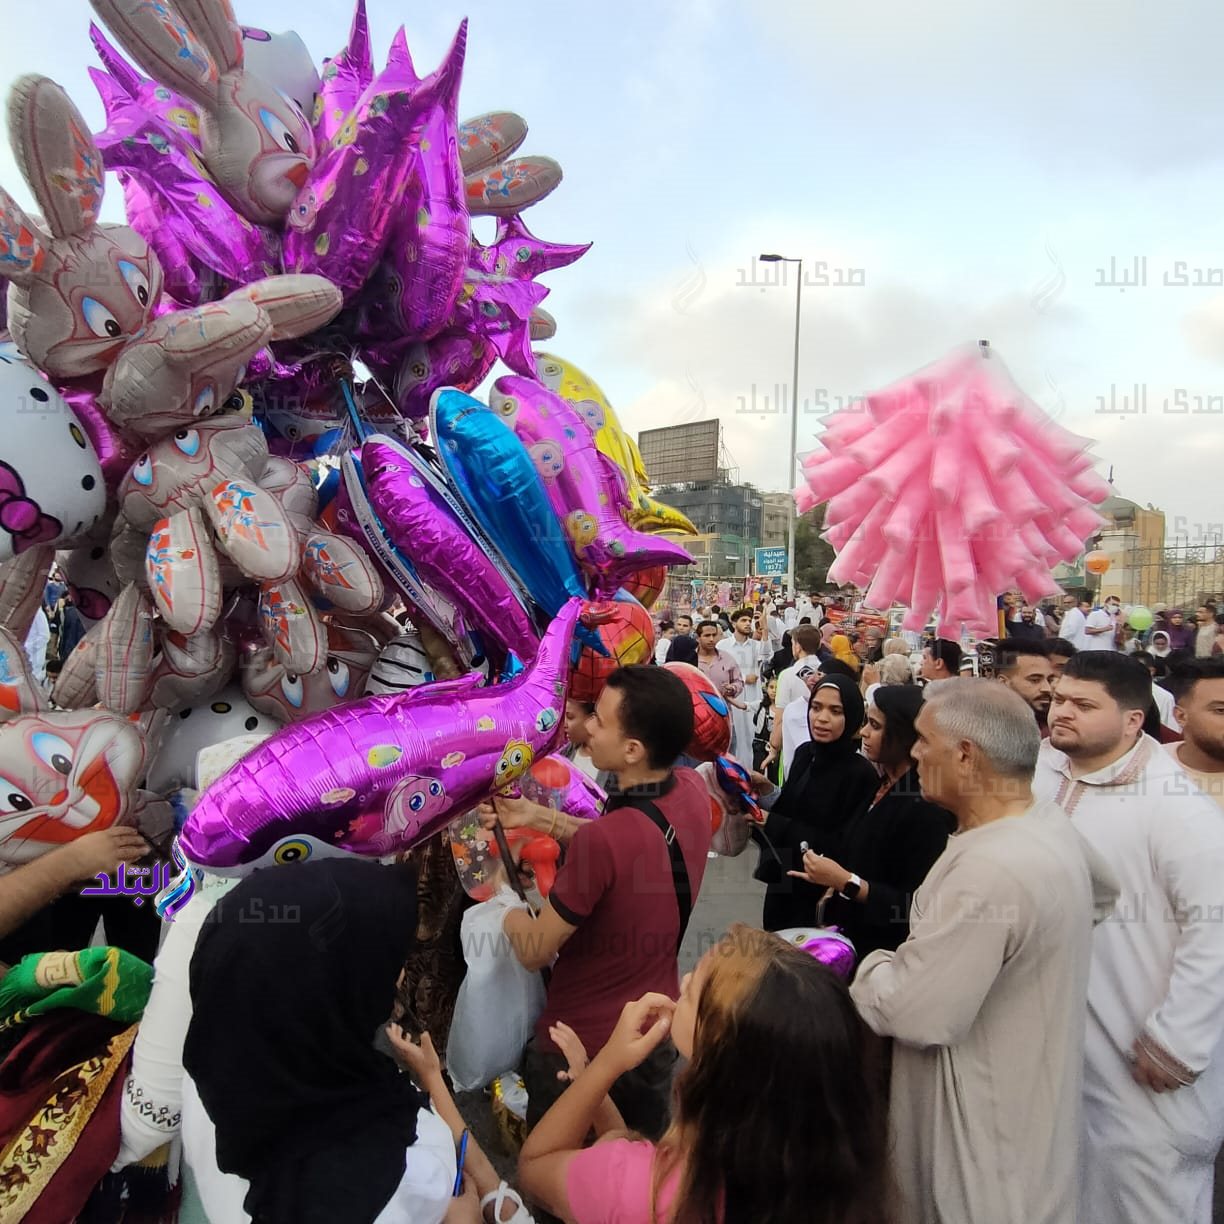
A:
[51, 485]
[78, 291]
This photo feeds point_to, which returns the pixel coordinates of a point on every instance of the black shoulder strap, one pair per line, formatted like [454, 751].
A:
[680, 875]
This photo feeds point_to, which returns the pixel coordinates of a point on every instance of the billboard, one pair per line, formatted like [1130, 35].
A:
[770, 561]
[680, 454]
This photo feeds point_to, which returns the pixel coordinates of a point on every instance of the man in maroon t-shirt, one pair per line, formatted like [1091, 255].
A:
[613, 917]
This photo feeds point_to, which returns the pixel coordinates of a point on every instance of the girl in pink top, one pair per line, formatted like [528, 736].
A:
[777, 1116]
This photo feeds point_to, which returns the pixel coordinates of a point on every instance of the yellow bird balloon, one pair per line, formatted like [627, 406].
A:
[568, 381]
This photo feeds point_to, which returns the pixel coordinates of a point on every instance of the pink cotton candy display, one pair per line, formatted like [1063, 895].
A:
[384, 773]
[585, 491]
[949, 488]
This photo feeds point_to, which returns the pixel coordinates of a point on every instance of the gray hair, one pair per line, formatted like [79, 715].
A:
[896, 646]
[992, 717]
[896, 669]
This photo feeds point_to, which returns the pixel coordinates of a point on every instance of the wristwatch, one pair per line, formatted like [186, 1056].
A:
[850, 890]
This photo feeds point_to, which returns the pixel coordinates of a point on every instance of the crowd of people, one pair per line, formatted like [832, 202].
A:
[1026, 861]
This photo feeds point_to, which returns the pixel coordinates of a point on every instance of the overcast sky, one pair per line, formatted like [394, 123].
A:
[980, 169]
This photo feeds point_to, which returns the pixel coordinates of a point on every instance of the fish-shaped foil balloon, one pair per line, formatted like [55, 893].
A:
[379, 775]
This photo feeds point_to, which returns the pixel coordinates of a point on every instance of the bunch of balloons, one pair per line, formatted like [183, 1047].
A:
[242, 423]
[949, 487]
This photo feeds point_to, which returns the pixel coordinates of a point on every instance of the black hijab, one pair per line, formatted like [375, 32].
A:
[281, 1040]
[856, 712]
[827, 782]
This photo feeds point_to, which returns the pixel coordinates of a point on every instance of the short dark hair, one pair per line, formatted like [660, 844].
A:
[715, 609]
[709, 625]
[805, 620]
[656, 708]
[1009, 652]
[665, 624]
[1127, 682]
[1185, 675]
[741, 612]
[947, 652]
[1060, 646]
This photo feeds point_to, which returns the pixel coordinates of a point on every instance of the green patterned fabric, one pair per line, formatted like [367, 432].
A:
[104, 981]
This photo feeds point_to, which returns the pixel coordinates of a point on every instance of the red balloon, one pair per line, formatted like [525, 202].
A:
[628, 635]
[711, 714]
[647, 585]
[550, 772]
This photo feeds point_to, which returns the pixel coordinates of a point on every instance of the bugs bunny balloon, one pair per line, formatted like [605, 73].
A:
[78, 291]
[256, 143]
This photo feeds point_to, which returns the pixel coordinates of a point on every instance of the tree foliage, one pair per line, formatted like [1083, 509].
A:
[813, 556]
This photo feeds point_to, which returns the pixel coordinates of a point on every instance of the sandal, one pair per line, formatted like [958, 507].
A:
[501, 1196]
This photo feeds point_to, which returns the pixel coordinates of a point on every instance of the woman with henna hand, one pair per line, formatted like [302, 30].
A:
[753, 1011]
[888, 848]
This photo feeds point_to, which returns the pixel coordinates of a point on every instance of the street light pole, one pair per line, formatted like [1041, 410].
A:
[792, 479]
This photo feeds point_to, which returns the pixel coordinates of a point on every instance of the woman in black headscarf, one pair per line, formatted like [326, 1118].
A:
[293, 976]
[890, 844]
[828, 783]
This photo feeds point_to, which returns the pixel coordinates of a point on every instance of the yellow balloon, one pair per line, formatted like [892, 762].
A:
[645, 512]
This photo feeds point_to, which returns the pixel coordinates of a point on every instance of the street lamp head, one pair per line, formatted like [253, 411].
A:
[770, 258]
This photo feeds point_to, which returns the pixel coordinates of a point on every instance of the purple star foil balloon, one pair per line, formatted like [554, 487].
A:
[342, 219]
[585, 495]
[382, 774]
[345, 78]
[442, 550]
[152, 141]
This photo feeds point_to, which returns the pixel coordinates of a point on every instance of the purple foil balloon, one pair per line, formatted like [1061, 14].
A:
[116, 450]
[152, 140]
[345, 79]
[428, 252]
[586, 502]
[578, 796]
[443, 552]
[517, 254]
[415, 372]
[382, 774]
[342, 219]
[828, 946]
[500, 311]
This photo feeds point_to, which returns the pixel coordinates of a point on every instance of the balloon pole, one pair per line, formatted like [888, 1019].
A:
[503, 847]
[360, 428]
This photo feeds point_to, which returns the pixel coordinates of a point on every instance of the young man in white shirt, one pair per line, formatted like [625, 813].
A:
[1074, 618]
[1199, 711]
[1154, 1054]
[746, 650]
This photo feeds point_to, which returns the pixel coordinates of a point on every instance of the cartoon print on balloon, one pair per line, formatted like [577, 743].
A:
[514, 763]
[188, 365]
[254, 139]
[62, 774]
[548, 459]
[210, 471]
[273, 689]
[413, 805]
[78, 291]
[316, 778]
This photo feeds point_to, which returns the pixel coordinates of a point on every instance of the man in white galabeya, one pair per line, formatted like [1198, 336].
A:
[1154, 1053]
[985, 999]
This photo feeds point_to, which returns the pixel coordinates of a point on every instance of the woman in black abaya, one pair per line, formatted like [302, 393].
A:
[829, 782]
